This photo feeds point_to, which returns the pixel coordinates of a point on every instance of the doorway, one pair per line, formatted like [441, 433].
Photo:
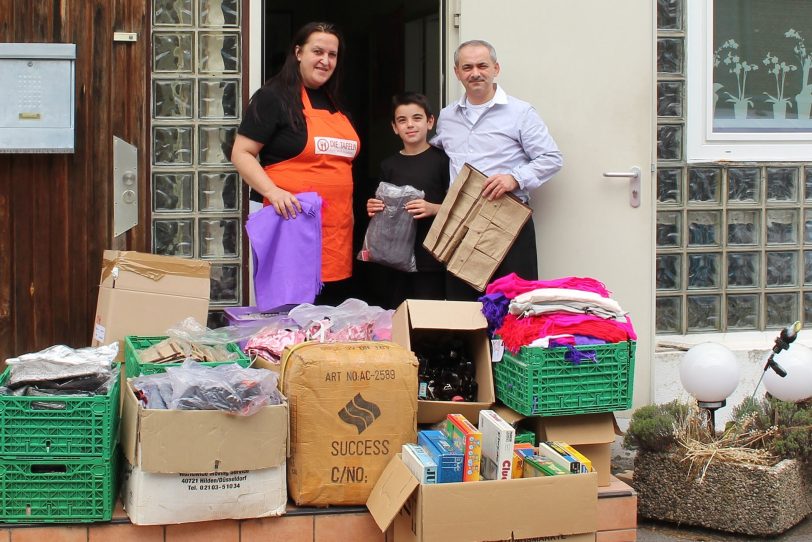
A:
[390, 46]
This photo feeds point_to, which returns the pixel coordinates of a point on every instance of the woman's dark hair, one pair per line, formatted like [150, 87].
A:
[287, 84]
[407, 98]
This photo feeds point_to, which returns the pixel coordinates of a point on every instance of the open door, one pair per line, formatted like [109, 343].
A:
[589, 68]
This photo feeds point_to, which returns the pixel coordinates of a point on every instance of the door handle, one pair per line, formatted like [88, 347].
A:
[634, 183]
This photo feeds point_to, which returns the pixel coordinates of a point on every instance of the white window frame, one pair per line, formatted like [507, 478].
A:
[702, 144]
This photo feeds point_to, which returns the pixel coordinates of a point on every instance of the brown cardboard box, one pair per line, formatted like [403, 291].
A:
[590, 434]
[200, 465]
[558, 507]
[417, 317]
[352, 407]
[472, 235]
[146, 294]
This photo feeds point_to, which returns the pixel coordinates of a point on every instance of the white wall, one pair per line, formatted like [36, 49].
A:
[751, 349]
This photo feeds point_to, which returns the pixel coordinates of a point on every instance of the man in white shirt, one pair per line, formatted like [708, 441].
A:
[504, 138]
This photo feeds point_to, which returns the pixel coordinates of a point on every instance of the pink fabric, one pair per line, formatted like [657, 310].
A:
[351, 332]
[517, 332]
[270, 342]
[513, 285]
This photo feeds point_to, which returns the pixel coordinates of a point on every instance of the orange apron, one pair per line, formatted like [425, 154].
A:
[325, 167]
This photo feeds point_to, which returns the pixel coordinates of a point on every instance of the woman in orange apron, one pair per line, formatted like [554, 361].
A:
[295, 138]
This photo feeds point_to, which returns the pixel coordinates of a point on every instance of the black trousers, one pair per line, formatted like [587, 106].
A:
[521, 259]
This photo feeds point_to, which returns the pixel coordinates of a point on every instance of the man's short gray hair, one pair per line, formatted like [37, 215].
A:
[475, 43]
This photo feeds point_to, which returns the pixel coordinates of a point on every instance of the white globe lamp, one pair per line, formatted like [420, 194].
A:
[710, 372]
[797, 384]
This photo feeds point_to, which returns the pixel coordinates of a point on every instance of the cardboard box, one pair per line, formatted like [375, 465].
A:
[416, 318]
[472, 235]
[498, 438]
[207, 444]
[353, 406]
[559, 507]
[160, 499]
[590, 434]
[146, 294]
[466, 439]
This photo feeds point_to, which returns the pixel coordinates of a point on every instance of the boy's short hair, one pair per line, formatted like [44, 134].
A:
[406, 98]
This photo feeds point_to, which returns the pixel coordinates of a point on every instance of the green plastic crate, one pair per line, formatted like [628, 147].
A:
[58, 490]
[543, 382]
[60, 426]
[135, 367]
[525, 437]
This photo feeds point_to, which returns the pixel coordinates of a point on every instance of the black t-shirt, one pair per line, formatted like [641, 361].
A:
[267, 122]
[427, 171]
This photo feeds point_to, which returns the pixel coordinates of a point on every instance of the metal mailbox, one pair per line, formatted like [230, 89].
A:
[37, 97]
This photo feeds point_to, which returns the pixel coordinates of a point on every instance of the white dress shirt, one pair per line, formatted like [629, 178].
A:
[509, 137]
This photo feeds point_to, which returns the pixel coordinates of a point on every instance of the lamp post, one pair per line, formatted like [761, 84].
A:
[796, 384]
[709, 371]
[784, 340]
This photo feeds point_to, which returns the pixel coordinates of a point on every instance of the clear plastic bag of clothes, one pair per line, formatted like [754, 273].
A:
[229, 387]
[352, 320]
[390, 235]
[62, 363]
[189, 332]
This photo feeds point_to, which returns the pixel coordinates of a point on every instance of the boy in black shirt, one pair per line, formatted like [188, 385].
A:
[426, 168]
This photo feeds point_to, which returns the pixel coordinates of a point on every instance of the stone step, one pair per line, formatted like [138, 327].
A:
[617, 522]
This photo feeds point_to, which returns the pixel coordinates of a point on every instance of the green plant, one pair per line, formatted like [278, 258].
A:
[654, 427]
[789, 426]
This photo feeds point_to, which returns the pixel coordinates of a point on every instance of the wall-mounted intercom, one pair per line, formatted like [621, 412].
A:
[37, 97]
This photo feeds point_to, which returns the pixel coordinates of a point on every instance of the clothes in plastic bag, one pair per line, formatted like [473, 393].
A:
[287, 254]
[80, 386]
[352, 320]
[61, 363]
[228, 387]
[391, 233]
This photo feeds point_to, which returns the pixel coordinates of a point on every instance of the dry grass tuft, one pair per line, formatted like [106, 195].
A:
[739, 444]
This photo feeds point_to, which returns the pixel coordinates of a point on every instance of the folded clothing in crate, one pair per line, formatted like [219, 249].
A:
[526, 312]
[174, 351]
[543, 381]
[60, 406]
[62, 366]
[136, 365]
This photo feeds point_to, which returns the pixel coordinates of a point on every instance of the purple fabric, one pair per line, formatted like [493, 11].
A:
[574, 355]
[494, 308]
[586, 339]
[287, 254]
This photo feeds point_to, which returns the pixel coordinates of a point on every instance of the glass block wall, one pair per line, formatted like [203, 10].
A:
[196, 92]
[734, 240]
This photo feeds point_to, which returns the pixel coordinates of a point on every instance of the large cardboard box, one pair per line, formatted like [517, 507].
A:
[590, 434]
[472, 235]
[152, 498]
[146, 294]
[417, 318]
[547, 508]
[352, 407]
[197, 465]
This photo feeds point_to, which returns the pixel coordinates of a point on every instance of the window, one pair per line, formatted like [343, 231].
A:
[734, 236]
[196, 108]
[748, 74]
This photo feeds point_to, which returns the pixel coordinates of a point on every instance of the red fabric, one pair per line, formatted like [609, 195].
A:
[512, 285]
[517, 332]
